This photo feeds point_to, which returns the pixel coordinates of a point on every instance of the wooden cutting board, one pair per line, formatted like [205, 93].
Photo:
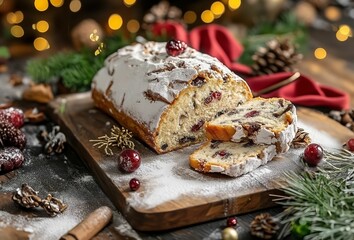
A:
[171, 194]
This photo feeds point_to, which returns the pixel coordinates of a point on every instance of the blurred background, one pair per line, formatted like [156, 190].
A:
[49, 25]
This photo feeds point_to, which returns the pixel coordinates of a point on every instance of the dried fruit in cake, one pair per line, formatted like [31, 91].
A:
[264, 121]
[11, 136]
[165, 101]
[10, 159]
[13, 115]
[230, 158]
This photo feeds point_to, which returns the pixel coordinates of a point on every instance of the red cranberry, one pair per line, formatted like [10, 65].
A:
[134, 184]
[231, 221]
[253, 113]
[129, 160]
[222, 153]
[216, 95]
[313, 154]
[350, 144]
[13, 115]
[175, 47]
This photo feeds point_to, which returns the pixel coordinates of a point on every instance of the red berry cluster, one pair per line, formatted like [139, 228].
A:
[129, 160]
[12, 139]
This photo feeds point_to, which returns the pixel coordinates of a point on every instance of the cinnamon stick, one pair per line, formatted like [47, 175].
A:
[91, 225]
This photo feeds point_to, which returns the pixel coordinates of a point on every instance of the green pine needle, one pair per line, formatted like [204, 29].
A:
[320, 205]
[74, 69]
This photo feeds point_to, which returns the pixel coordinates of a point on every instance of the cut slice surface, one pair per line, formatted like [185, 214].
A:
[230, 158]
[263, 121]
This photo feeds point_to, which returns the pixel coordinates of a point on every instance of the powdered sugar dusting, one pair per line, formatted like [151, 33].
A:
[168, 177]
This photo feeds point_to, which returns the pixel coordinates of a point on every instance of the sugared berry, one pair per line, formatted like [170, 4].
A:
[10, 136]
[175, 47]
[14, 115]
[129, 160]
[134, 184]
[350, 144]
[313, 154]
[10, 159]
[231, 221]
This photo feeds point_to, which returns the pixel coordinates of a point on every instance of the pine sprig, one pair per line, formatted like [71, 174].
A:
[74, 69]
[320, 205]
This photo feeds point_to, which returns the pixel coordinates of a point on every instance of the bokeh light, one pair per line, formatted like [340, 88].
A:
[333, 13]
[345, 30]
[14, 17]
[320, 53]
[217, 8]
[133, 26]
[207, 16]
[234, 4]
[57, 3]
[129, 2]
[41, 5]
[41, 44]
[75, 5]
[42, 26]
[115, 21]
[189, 17]
[17, 31]
[94, 37]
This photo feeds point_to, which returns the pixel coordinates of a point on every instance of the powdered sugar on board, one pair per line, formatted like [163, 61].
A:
[168, 177]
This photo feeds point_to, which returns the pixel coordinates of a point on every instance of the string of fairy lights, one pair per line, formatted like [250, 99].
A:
[116, 22]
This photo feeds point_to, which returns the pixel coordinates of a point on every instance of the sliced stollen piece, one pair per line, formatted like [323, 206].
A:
[230, 158]
[264, 121]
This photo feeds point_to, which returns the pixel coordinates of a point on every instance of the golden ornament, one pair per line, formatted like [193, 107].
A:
[229, 233]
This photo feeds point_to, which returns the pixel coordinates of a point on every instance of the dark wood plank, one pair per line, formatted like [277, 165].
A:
[81, 122]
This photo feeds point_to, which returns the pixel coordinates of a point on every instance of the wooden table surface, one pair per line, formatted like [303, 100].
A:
[66, 175]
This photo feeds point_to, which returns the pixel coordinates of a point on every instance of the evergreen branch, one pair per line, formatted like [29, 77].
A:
[320, 205]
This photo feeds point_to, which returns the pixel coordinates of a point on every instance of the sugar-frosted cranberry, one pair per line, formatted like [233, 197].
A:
[129, 160]
[175, 47]
[350, 144]
[313, 154]
[231, 221]
[134, 184]
[13, 115]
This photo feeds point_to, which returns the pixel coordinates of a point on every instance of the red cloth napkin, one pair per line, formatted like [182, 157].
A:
[303, 91]
[218, 42]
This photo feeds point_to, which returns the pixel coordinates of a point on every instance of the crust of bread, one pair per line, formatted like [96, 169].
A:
[217, 132]
[124, 120]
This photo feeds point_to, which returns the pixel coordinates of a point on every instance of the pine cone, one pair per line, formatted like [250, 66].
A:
[345, 117]
[162, 12]
[302, 139]
[264, 226]
[276, 56]
[10, 135]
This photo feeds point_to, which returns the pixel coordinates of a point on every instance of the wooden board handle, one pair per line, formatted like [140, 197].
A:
[91, 225]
